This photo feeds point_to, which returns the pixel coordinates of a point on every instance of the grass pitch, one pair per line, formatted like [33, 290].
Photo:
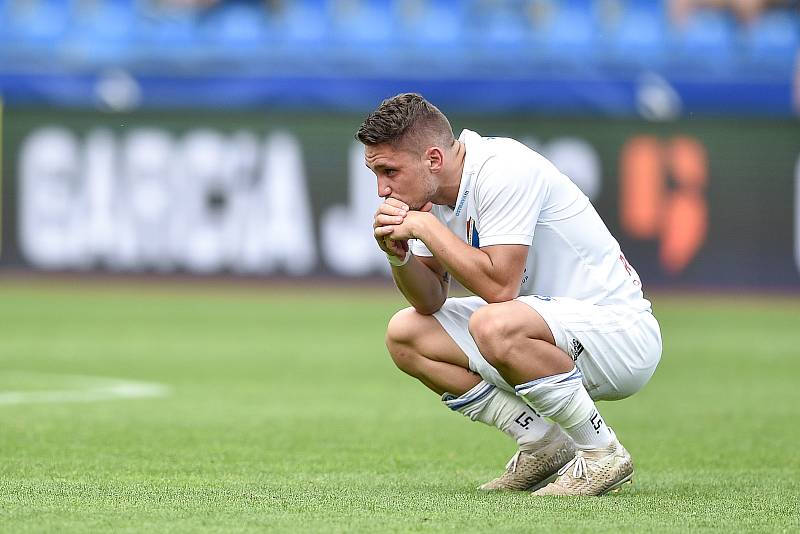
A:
[286, 414]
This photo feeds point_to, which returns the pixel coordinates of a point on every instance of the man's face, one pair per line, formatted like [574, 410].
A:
[402, 174]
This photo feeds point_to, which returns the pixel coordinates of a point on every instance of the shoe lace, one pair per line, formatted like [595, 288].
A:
[512, 463]
[579, 465]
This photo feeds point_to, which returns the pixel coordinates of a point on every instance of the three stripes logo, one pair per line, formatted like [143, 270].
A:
[575, 349]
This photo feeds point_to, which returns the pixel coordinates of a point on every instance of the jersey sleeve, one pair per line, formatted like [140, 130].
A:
[418, 248]
[508, 200]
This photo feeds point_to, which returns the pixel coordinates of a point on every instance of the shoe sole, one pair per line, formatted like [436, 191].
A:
[545, 481]
[615, 488]
[618, 485]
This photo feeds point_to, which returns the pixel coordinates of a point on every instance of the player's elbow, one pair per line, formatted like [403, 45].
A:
[427, 309]
[500, 294]
[429, 306]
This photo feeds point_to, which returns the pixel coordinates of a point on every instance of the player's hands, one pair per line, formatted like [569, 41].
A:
[395, 223]
[391, 213]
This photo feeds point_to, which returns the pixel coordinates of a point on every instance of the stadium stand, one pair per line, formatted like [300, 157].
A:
[586, 39]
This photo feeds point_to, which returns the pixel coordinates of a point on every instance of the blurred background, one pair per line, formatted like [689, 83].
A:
[215, 136]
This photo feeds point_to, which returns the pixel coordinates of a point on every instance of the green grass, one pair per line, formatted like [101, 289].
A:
[286, 414]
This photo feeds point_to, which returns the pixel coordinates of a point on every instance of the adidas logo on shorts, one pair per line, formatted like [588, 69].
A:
[575, 349]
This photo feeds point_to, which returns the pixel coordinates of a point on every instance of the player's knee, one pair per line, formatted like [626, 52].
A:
[492, 331]
[400, 335]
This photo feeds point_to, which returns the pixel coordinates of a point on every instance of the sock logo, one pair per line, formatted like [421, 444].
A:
[596, 421]
[523, 420]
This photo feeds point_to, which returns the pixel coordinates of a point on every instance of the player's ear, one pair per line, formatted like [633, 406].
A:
[434, 158]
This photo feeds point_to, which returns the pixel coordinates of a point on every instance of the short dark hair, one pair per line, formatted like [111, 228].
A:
[406, 119]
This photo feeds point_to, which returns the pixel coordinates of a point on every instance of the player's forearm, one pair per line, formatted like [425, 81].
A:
[425, 290]
[472, 267]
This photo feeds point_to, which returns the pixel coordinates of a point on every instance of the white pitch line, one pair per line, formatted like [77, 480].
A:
[88, 389]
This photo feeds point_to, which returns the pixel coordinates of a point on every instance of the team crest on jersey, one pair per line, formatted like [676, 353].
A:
[472, 234]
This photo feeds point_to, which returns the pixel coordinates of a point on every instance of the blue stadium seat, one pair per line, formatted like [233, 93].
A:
[169, 38]
[101, 33]
[636, 38]
[300, 33]
[497, 37]
[708, 42]
[571, 35]
[362, 32]
[361, 22]
[235, 32]
[33, 28]
[429, 34]
[773, 41]
[429, 22]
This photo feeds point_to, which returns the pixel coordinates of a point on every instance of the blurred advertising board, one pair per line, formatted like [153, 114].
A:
[713, 202]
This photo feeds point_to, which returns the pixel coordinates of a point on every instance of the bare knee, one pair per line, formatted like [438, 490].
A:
[517, 341]
[492, 331]
[401, 333]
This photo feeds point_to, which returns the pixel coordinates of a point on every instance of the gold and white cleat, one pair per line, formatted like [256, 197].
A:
[593, 472]
[534, 463]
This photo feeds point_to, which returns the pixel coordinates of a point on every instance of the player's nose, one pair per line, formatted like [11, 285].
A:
[383, 189]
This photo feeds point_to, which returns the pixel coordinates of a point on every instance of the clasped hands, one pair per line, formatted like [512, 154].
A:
[395, 224]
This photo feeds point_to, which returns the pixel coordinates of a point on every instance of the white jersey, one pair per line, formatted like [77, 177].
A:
[511, 195]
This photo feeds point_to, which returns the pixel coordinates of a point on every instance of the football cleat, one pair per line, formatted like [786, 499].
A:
[593, 472]
[534, 463]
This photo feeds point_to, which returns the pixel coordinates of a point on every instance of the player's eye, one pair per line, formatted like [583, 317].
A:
[390, 172]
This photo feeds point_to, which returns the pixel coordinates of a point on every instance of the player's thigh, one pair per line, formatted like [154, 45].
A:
[501, 323]
[425, 336]
[616, 349]
[454, 317]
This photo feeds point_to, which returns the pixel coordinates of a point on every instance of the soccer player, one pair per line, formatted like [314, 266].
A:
[558, 319]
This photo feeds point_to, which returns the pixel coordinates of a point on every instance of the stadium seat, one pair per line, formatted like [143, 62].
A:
[299, 33]
[361, 22]
[635, 37]
[707, 43]
[429, 22]
[168, 40]
[236, 33]
[33, 29]
[423, 26]
[570, 35]
[101, 33]
[497, 37]
[773, 41]
[362, 32]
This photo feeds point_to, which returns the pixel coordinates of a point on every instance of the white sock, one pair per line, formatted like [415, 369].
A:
[563, 399]
[495, 407]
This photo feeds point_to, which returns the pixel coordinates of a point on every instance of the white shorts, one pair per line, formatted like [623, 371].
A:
[616, 349]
